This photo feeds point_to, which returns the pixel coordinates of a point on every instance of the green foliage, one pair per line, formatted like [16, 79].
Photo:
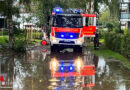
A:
[125, 31]
[103, 51]
[4, 33]
[110, 26]
[101, 40]
[117, 30]
[126, 45]
[18, 32]
[4, 40]
[82, 5]
[105, 17]
[44, 9]
[114, 8]
[118, 42]
[113, 41]
[20, 43]
[101, 33]
[6, 8]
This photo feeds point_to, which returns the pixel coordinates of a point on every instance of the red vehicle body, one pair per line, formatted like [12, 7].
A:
[69, 30]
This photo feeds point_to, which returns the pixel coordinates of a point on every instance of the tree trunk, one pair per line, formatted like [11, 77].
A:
[11, 33]
[90, 7]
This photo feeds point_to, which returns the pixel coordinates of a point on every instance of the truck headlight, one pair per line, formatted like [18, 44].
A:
[53, 38]
[80, 40]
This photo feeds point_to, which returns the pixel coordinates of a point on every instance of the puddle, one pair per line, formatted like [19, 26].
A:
[38, 70]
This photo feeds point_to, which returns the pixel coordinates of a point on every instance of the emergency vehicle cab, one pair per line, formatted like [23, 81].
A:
[69, 29]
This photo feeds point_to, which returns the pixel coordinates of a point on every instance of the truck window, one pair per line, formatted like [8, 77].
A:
[67, 21]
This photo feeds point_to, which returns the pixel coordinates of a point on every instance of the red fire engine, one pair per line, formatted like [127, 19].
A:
[69, 29]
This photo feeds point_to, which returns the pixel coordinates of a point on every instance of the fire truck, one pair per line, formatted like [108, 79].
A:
[69, 28]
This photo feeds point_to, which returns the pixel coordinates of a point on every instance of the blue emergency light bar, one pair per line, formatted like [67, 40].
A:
[58, 10]
[73, 10]
[69, 36]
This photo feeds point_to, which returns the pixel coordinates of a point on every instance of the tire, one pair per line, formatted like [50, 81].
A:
[52, 49]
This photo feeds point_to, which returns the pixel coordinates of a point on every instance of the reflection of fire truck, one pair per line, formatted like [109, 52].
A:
[69, 29]
[70, 73]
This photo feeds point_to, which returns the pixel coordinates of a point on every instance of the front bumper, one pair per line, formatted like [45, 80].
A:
[59, 41]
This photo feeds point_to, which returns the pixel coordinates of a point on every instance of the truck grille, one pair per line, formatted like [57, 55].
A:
[66, 35]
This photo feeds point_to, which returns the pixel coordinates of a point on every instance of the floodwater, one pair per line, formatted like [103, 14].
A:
[39, 69]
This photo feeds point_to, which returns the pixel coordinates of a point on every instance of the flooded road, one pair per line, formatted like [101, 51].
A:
[39, 69]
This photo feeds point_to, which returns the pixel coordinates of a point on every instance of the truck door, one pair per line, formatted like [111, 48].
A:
[89, 25]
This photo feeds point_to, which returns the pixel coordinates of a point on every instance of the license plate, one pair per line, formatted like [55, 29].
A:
[66, 40]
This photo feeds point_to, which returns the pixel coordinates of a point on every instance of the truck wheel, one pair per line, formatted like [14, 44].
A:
[52, 49]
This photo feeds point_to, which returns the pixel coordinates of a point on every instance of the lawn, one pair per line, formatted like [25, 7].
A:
[36, 41]
[103, 51]
[4, 39]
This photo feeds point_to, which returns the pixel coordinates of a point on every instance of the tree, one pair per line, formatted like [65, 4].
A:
[44, 10]
[89, 6]
[114, 8]
[8, 9]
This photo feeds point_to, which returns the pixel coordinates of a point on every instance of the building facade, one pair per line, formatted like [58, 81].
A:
[125, 14]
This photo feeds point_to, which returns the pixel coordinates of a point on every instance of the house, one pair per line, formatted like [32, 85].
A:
[3, 23]
[125, 14]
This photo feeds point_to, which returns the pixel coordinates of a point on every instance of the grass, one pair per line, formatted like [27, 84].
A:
[35, 41]
[4, 39]
[101, 40]
[103, 51]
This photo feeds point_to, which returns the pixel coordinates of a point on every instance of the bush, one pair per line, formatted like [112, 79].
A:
[4, 32]
[113, 41]
[18, 32]
[101, 33]
[118, 42]
[20, 43]
[126, 45]
[125, 31]
[110, 26]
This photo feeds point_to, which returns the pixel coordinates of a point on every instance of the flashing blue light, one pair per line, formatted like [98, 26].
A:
[71, 84]
[62, 35]
[57, 88]
[67, 35]
[71, 36]
[62, 68]
[58, 10]
[71, 68]
[78, 11]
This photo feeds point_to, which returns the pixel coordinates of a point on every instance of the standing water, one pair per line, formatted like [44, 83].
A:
[37, 70]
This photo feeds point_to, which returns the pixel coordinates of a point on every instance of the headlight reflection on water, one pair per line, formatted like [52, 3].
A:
[54, 64]
[78, 64]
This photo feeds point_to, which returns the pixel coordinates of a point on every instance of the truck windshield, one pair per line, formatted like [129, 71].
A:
[67, 21]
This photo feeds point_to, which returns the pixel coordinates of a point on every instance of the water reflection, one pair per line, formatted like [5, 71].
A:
[71, 71]
[40, 70]
[6, 68]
